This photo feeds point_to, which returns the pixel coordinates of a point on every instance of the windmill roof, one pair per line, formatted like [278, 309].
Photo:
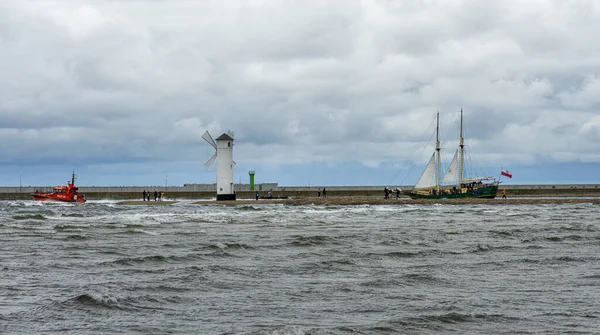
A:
[224, 137]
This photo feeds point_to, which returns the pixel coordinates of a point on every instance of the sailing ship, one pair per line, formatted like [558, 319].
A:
[453, 185]
[62, 193]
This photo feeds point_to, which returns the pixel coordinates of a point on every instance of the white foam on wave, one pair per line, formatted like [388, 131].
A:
[48, 204]
[153, 233]
[25, 203]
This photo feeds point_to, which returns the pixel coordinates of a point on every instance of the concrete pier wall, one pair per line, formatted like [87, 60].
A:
[208, 191]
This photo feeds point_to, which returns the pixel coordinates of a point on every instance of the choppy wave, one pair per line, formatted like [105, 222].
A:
[250, 208]
[311, 240]
[96, 301]
[403, 254]
[73, 215]
[446, 321]
[225, 246]
[423, 278]
[298, 269]
[66, 227]
[77, 237]
[29, 217]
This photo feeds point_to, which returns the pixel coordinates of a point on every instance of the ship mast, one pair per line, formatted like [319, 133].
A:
[462, 148]
[437, 148]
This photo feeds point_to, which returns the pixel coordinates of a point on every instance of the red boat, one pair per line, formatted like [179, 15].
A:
[61, 193]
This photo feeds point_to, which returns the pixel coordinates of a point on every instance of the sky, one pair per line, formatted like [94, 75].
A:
[316, 92]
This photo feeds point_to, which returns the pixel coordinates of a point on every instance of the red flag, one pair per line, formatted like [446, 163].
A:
[506, 173]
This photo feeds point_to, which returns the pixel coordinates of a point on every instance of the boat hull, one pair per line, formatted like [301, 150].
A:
[488, 192]
[54, 198]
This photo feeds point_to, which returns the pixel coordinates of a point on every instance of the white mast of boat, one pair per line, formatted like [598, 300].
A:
[437, 148]
[462, 148]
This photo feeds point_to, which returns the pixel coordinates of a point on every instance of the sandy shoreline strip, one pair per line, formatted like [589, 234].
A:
[344, 201]
[147, 203]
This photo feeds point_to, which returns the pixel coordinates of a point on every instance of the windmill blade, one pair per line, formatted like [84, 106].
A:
[210, 161]
[230, 133]
[209, 139]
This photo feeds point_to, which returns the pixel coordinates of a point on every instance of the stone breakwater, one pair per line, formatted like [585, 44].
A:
[172, 193]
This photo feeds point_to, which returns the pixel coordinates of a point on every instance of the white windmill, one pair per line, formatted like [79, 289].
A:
[224, 157]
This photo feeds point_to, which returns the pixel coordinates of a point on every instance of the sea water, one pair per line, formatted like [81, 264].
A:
[104, 268]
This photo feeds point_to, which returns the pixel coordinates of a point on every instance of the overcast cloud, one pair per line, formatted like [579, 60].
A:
[320, 92]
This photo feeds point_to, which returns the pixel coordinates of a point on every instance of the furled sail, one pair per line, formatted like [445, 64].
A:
[451, 176]
[428, 177]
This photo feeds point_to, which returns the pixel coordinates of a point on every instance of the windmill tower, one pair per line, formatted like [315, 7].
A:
[224, 157]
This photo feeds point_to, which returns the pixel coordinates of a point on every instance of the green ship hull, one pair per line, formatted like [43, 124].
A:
[488, 192]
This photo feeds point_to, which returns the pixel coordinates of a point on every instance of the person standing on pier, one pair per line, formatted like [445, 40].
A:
[144, 195]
